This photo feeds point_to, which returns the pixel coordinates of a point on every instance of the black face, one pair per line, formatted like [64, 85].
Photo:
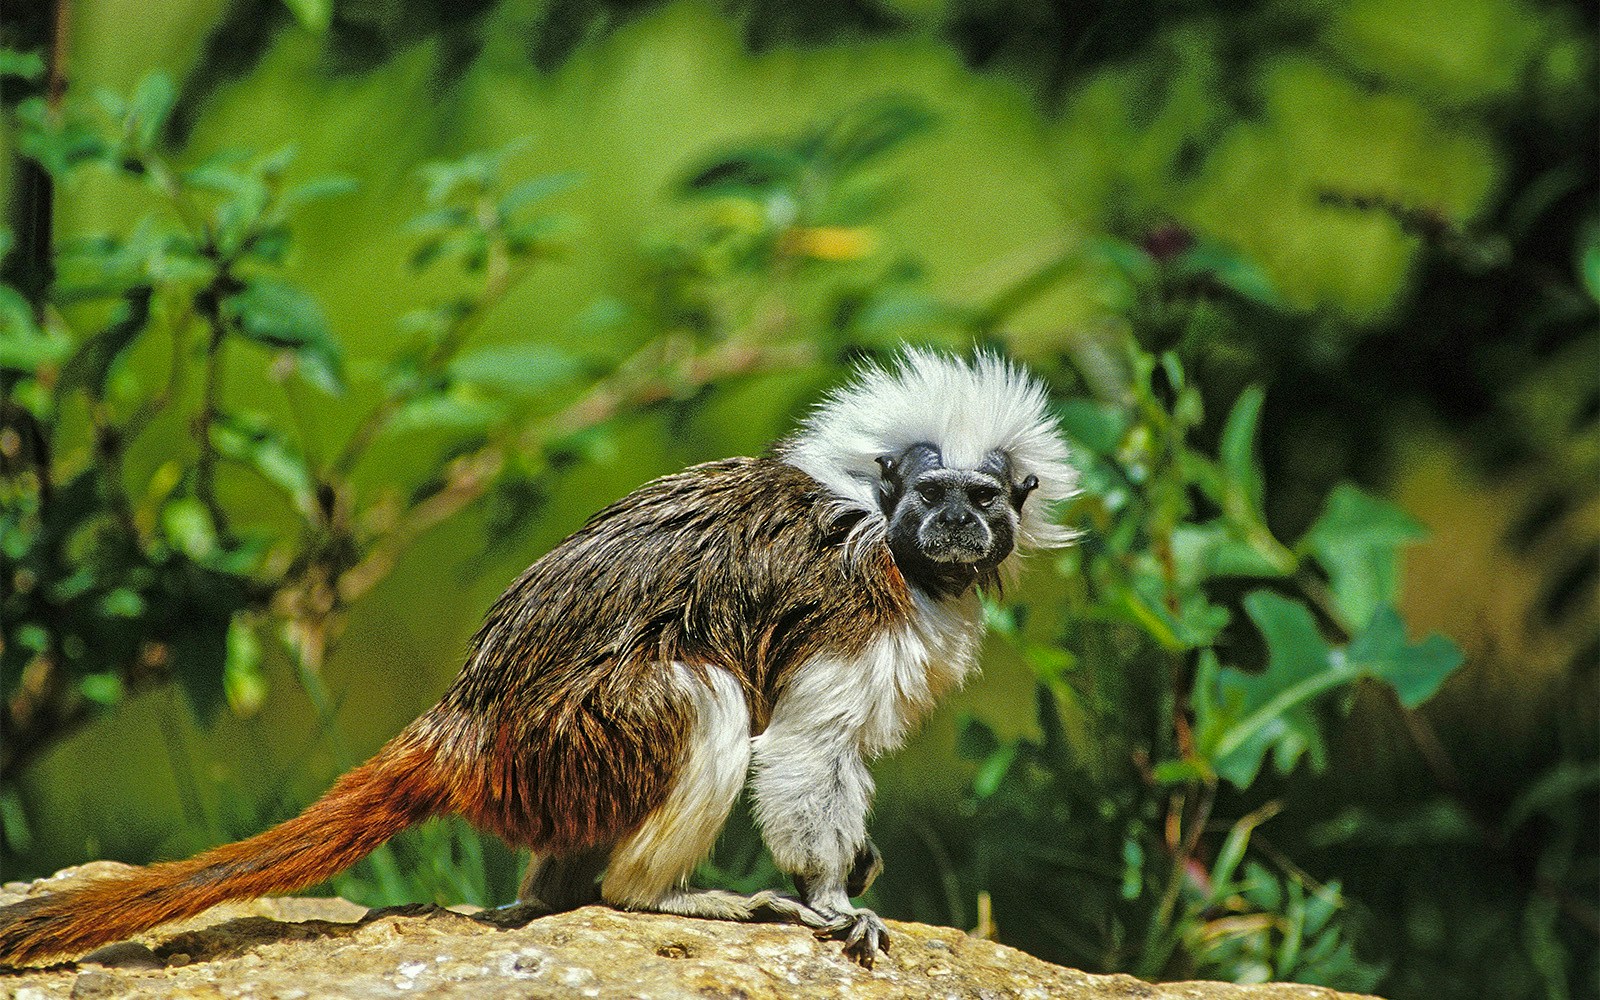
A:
[949, 528]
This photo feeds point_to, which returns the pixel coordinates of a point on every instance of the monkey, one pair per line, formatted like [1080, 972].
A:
[776, 622]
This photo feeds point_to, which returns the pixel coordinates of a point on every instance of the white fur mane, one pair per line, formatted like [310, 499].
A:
[964, 408]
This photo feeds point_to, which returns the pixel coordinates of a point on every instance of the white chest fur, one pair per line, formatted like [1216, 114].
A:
[876, 698]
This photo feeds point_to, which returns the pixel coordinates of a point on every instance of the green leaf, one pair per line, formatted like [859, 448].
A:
[1567, 781]
[975, 740]
[1236, 452]
[437, 220]
[1240, 717]
[102, 689]
[15, 829]
[278, 314]
[1415, 672]
[1357, 540]
[313, 15]
[91, 364]
[319, 188]
[242, 680]
[27, 65]
[187, 527]
[1211, 550]
[250, 440]
[1134, 263]
[58, 145]
[438, 411]
[1432, 823]
[535, 190]
[547, 235]
[1179, 772]
[1589, 259]
[1230, 269]
[757, 171]
[871, 129]
[1132, 867]
[1099, 427]
[149, 109]
[521, 369]
[992, 772]
[1253, 714]
[23, 346]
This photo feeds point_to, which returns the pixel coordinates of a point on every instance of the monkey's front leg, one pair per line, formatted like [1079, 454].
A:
[812, 791]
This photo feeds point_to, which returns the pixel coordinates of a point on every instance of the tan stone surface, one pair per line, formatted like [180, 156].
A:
[300, 949]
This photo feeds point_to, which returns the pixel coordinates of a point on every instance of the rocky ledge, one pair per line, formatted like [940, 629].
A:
[307, 949]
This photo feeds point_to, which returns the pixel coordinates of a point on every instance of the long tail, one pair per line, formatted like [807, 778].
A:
[400, 787]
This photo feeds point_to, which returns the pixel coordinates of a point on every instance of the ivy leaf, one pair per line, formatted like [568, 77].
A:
[1270, 711]
[1241, 717]
[1357, 540]
[277, 314]
[1415, 672]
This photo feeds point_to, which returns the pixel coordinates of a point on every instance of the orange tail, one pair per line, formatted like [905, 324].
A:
[400, 787]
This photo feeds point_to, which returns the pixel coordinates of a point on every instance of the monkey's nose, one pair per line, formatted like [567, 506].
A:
[956, 517]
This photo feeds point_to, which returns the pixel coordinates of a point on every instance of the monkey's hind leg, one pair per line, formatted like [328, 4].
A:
[552, 885]
[650, 868]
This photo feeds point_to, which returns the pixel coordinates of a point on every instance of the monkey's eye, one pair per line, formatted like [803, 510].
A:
[984, 496]
[930, 492]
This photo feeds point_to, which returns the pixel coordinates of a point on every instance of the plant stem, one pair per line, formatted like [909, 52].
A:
[206, 463]
[1160, 939]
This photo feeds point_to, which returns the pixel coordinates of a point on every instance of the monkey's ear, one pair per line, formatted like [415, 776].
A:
[888, 482]
[1021, 491]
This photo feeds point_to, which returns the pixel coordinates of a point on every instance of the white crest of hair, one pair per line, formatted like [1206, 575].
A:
[965, 408]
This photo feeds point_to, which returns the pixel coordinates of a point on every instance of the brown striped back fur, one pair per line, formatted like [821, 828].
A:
[564, 729]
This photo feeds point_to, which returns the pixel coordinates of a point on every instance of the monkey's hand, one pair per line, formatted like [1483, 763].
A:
[863, 932]
[864, 870]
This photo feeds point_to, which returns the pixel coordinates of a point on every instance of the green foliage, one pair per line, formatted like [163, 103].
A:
[1177, 545]
[117, 588]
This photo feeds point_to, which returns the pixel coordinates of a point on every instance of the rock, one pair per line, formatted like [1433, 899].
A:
[298, 949]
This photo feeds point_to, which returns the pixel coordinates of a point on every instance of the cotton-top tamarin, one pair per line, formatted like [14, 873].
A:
[779, 620]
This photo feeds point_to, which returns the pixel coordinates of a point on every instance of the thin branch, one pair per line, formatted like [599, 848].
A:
[206, 463]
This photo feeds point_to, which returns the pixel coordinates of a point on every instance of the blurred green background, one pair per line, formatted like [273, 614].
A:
[1382, 214]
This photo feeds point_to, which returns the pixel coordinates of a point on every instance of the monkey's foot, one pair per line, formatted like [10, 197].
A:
[719, 904]
[513, 915]
[863, 932]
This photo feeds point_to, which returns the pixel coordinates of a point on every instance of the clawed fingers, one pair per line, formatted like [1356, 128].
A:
[864, 934]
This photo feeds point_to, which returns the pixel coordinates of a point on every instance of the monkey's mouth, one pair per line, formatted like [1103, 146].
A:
[958, 546]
